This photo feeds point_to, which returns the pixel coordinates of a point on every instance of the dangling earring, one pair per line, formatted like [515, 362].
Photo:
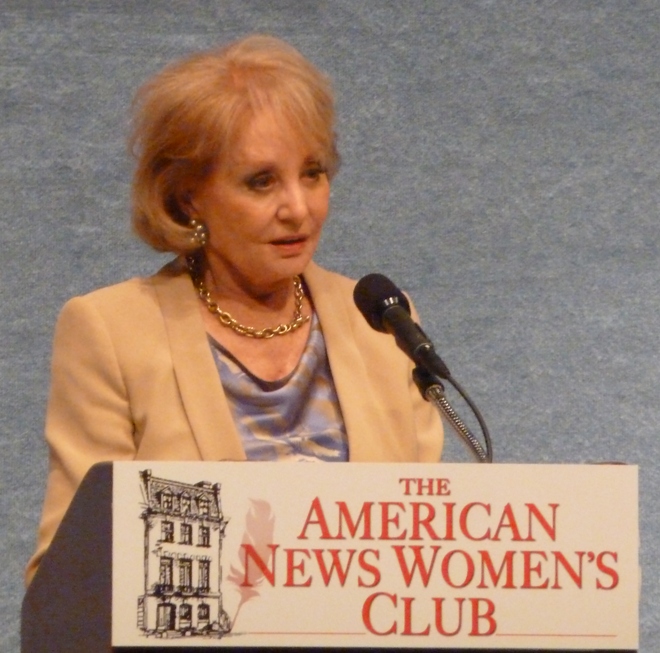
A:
[200, 235]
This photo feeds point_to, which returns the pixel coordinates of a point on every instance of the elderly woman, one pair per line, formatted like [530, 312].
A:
[242, 347]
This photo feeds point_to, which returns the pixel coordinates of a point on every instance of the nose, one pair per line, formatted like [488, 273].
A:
[293, 206]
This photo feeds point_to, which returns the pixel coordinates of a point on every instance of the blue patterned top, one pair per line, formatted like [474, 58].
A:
[296, 418]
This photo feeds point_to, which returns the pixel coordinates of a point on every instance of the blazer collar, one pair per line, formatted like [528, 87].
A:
[363, 406]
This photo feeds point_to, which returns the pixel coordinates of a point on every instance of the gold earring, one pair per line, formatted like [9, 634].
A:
[200, 235]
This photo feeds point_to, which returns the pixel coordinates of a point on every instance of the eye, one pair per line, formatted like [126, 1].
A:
[314, 171]
[261, 181]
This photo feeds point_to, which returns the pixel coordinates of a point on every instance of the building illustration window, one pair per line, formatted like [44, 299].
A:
[204, 536]
[204, 576]
[182, 594]
[167, 531]
[185, 617]
[186, 533]
[204, 505]
[203, 612]
[166, 500]
[185, 503]
[185, 575]
[165, 574]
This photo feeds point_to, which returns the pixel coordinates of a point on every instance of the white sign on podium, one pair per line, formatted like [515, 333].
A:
[375, 555]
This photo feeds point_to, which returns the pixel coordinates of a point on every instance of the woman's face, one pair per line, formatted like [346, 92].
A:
[264, 207]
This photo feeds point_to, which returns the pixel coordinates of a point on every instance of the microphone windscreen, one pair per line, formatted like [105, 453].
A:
[373, 295]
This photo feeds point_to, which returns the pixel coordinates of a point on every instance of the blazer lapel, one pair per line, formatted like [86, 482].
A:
[195, 371]
[361, 404]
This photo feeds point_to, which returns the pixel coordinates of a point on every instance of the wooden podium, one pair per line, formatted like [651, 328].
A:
[268, 556]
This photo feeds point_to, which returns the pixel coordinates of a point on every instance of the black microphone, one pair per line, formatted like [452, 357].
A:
[387, 310]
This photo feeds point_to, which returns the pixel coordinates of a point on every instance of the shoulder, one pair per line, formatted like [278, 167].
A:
[135, 289]
[134, 303]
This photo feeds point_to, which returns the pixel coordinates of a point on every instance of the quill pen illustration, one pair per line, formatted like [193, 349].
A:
[259, 528]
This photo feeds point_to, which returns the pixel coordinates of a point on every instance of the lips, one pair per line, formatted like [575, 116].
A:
[290, 245]
[289, 240]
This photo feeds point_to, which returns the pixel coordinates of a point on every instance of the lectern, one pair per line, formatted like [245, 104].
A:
[155, 556]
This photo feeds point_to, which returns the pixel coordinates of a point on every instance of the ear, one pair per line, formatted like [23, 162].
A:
[186, 201]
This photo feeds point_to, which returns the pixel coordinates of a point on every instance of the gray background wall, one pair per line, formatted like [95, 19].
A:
[501, 163]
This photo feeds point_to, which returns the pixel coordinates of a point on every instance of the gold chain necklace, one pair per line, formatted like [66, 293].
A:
[250, 332]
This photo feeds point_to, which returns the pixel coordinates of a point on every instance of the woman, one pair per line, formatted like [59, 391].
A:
[235, 153]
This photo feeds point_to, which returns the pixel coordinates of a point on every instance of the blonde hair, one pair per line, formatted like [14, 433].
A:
[187, 117]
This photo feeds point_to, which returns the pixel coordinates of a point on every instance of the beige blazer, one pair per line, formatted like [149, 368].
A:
[133, 378]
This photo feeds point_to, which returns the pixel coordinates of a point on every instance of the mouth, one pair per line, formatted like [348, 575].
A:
[289, 240]
[290, 246]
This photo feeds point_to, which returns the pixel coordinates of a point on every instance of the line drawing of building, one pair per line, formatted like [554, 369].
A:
[184, 528]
